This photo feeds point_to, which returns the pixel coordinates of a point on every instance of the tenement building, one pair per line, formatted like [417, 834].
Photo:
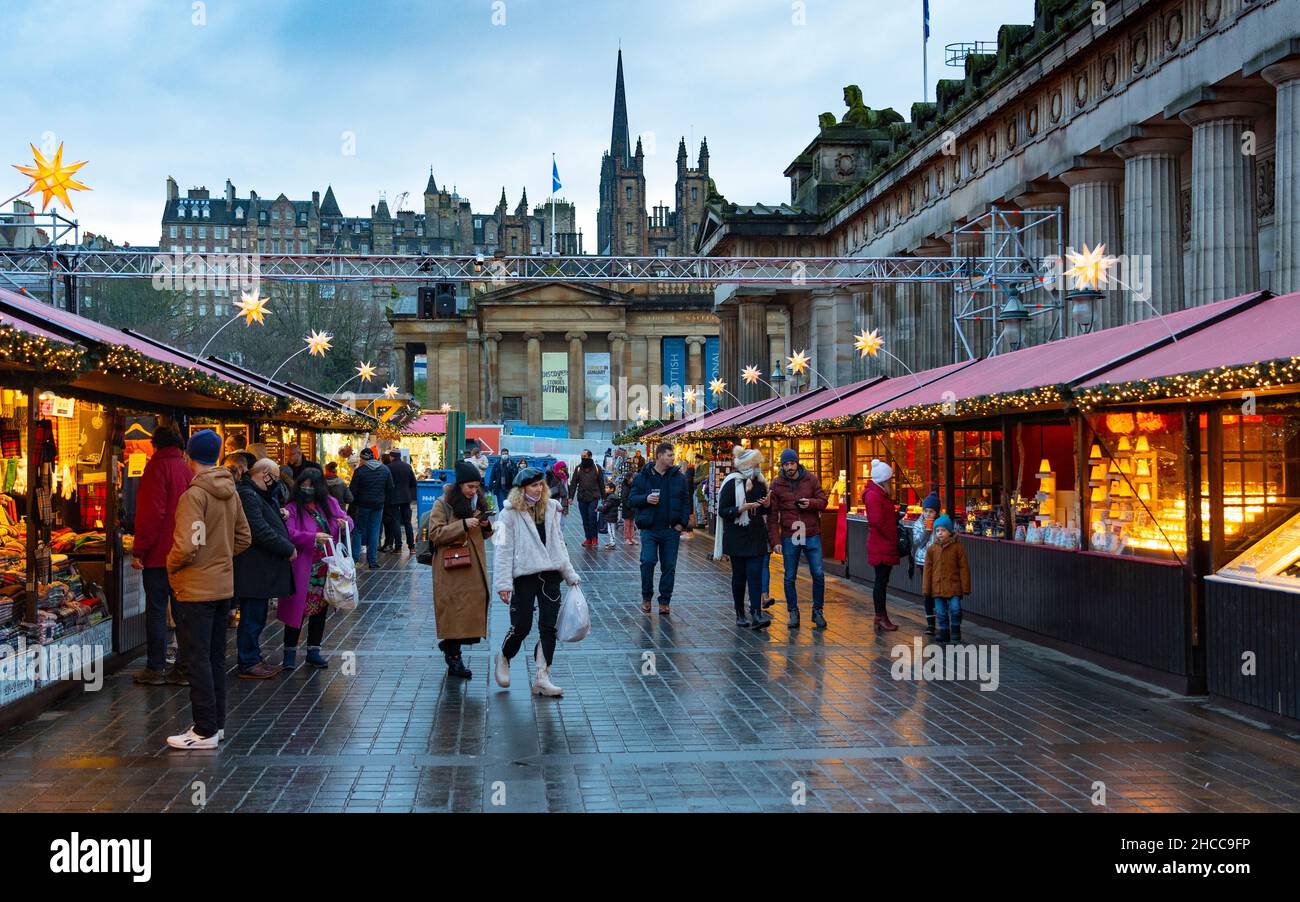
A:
[1165, 130]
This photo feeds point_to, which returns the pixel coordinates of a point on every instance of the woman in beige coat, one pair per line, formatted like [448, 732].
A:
[458, 525]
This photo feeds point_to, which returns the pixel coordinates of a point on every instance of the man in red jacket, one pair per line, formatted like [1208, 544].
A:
[165, 477]
[798, 498]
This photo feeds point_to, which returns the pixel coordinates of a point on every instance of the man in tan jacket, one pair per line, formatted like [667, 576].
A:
[210, 530]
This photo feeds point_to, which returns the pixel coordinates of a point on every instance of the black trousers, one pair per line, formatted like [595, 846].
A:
[542, 589]
[747, 571]
[403, 516]
[201, 629]
[881, 586]
[315, 630]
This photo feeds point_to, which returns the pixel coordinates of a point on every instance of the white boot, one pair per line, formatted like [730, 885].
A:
[503, 671]
[542, 685]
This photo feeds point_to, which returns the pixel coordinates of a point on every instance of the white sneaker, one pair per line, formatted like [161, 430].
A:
[503, 671]
[542, 685]
[190, 740]
[221, 735]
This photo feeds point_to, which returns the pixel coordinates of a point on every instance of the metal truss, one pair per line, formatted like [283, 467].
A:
[182, 270]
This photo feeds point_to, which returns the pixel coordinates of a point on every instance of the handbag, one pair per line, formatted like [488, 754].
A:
[341, 579]
[456, 555]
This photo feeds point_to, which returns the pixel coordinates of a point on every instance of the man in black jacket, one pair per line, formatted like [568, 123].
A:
[588, 487]
[404, 490]
[262, 569]
[502, 476]
[662, 502]
[299, 461]
[372, 484]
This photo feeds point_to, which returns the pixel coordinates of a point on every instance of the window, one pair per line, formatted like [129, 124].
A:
[824, 458]
[661, 252]
[628, 228]
[172, 231]
[275, 214]
[1261, 475]
[514, 245]
[239, 212]
[1137, 499]
[977, 474]
[203, 232]
[629, 192]
[695, 194]
[916, 456]
[512, 408]
[275, 245]
[189, 231]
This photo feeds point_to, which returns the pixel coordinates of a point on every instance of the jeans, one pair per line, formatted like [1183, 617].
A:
[812, 550]
[948, 611]
[252, 620]
[659, 545]
[157, 595]
[368, 521]
[500, 495]
[590, 511]
[201, 626]
[880, 587]
[747, 571]
[767, 573]
[542, 589]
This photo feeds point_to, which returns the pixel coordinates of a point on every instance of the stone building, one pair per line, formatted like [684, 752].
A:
[1166, 131]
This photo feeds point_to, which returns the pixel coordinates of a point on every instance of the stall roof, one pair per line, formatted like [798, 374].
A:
[427, 424]
[679, 426]
[809, 402]
[873, 395]
[747, 413]
[1266, 330]
[22, 325]
[1067, 361]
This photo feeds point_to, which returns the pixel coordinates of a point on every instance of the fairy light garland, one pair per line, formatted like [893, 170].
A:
[43, 354]
[1264, 375]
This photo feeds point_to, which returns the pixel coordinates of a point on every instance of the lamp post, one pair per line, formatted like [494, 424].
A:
[1083, 308]
[1013, 316]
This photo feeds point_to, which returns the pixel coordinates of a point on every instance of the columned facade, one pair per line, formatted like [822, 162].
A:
[1096, 197]
[1153, 238]
[1285, 77]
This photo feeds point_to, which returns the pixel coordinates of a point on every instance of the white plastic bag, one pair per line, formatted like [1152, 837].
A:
[574, 621]
[341, 580]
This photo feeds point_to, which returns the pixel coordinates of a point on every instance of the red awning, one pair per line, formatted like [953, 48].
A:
[427, 424]
[740, 416]
[870, 396]
[809, 402]
[1267, 330]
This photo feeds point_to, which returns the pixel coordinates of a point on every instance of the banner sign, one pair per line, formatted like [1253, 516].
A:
[674, 370]
[555, 385]
[710, 369]
[596, 381]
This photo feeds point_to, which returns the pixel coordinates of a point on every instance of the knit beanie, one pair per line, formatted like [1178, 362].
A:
[467, 472]
[881, 471]
[931, 502]
[789, 456]
[749, 461]
[204, 447]
[943, 521]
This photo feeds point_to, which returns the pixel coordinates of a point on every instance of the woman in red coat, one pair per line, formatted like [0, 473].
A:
[882, 537]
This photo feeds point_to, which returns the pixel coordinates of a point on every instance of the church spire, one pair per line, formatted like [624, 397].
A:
[432, 187]
[619, 142]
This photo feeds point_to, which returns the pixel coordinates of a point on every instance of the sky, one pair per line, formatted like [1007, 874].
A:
[294, 95]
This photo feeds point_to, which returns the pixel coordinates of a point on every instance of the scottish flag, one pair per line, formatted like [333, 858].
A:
[927, 18]
[555, 176]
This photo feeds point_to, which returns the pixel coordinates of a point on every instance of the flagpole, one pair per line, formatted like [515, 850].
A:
[553, 170]
[925, 63]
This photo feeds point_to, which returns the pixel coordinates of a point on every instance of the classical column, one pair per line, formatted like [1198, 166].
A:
[617, 375]
[882, 302]
[654, 373]
[695, 360]
[402, 356]
[752, 343]
[934, 313]
[861, 320]
[902, 339]
[1096, 196]
[728, 351]
[1225, 234]
[534, 413]
[1285, 76]
[821, 343]
[787, 347]
[492, 383]
[471, 365]
[1153, 231]
[577, 385]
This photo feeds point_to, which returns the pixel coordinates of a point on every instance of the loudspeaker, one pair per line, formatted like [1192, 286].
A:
[425, 303]
[445, 299]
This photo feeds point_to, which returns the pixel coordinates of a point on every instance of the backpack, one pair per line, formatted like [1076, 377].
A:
[904, 540]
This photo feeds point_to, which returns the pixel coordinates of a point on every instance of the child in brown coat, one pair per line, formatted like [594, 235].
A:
[947, 578]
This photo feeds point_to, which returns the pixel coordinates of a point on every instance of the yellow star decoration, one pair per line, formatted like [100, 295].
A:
[868, 343]
[366, 371]
[318, 343]
[669, 401]
[51, 178]
[798, 363]
[642, 413]
[750, 375]
[717, 386]
[1088, 269]
[252, 308]
[690, 396]
[390, 391]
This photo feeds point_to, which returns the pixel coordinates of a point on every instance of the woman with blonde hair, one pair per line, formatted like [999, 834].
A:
[529, 562]
[743, 501]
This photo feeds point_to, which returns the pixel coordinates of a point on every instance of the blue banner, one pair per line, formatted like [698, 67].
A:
[674, 371]
[710, 369]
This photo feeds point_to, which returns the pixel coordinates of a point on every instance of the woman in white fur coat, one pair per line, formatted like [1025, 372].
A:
[528, 564]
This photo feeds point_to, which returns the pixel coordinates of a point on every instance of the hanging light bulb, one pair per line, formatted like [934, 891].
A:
[1143, 446]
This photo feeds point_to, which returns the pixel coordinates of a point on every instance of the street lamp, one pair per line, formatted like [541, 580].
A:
[777, 379]
[1083, 308]
[1013, 316]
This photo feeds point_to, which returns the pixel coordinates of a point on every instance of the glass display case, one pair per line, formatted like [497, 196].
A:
[1272, 562]
[1137, 494]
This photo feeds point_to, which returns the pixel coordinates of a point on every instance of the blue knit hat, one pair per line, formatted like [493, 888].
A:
[943, 521]
[931, 502]
[204, 447]
[789, 456]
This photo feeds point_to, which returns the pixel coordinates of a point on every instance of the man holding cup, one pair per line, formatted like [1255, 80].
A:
[794, 526]
[661, 499]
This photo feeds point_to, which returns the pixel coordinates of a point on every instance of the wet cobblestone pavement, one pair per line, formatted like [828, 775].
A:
[732, 720]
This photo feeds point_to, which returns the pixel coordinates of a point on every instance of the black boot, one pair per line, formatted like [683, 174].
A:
[956, 634]
[758, 620]
[929, 624]
[456, 667]
[792, 619]
[818, 620]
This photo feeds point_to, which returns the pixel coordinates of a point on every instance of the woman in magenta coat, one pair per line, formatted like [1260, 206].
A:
[882, 537]
[312, 516]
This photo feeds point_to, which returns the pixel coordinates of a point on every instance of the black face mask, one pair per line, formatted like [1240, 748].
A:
[306, 494]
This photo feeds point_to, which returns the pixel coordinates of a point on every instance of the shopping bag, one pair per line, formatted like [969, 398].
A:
[341, 580]
[574, 620]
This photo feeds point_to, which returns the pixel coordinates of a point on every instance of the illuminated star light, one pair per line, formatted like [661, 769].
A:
[446, 408]
[750, 375]
[642, 413]
[669, 401]
[869, 343]
[51, 178]
[717, 386]
[390, 391]
[252, 308]
[366, 371]
[798, 363]
[690, 396]
[318, 343]
[1088, 269]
